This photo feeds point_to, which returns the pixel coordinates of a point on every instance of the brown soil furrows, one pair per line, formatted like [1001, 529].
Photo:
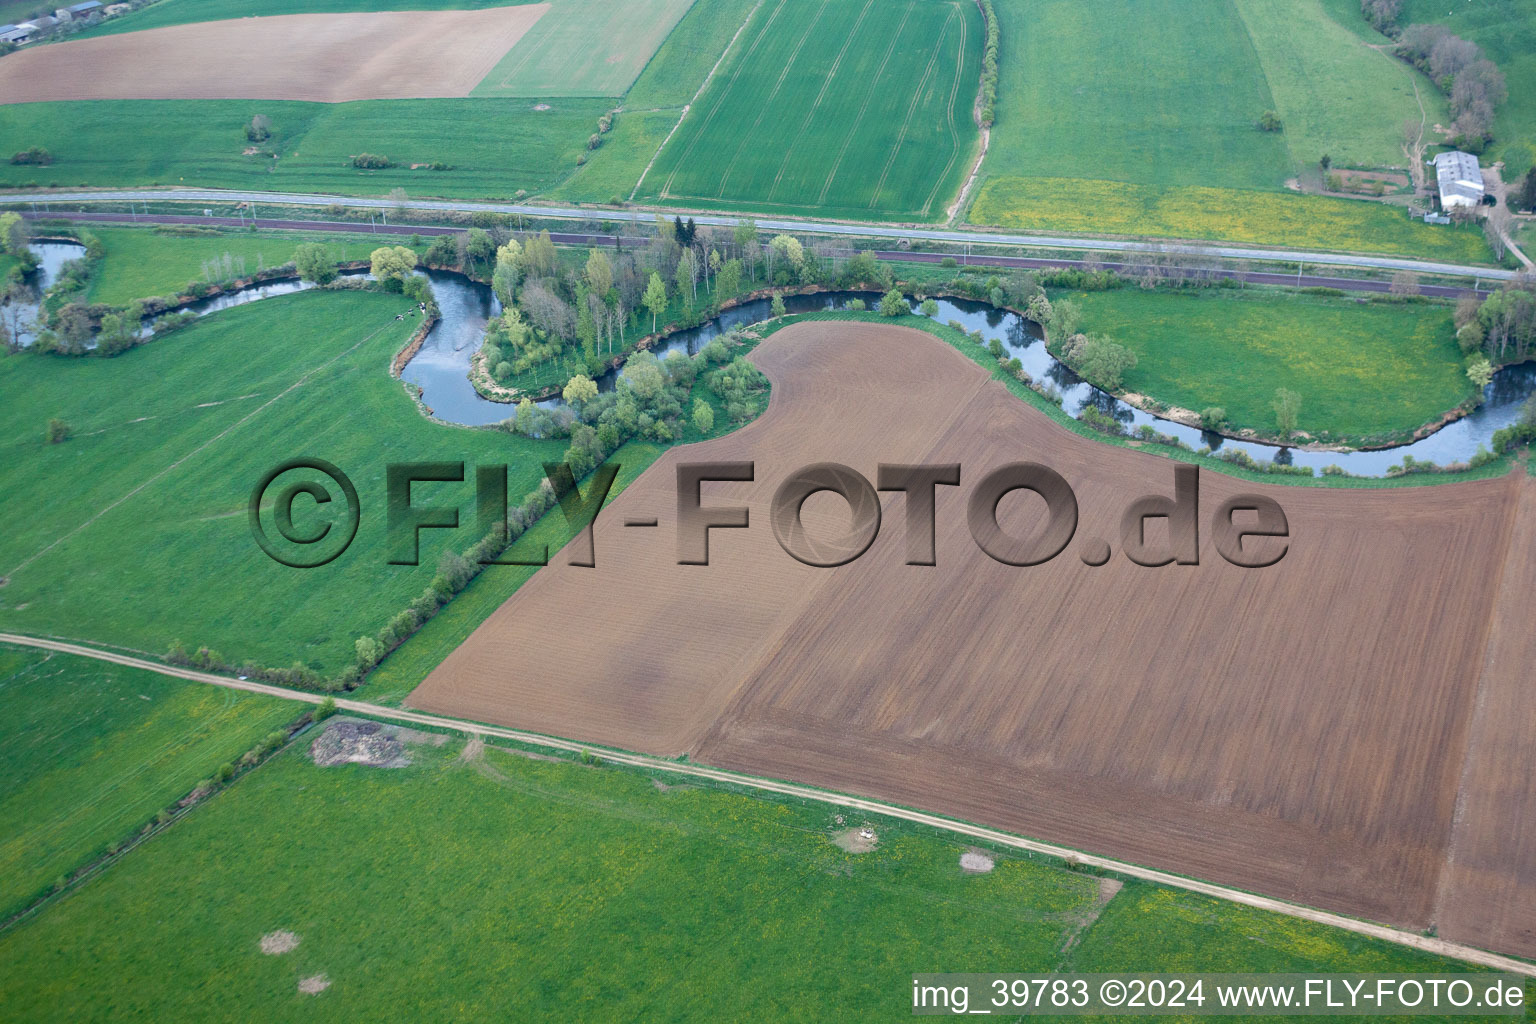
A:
[1298, 730]
[655, 675]
[1488, 893]
[325, 57]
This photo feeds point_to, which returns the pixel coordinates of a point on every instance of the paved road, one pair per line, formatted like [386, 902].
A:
[1350, 284]
[819, 227]
[1440, 947]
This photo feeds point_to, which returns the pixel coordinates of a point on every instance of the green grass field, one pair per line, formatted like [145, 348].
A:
[14, 11]
[1143, 94]
[1336, 94]
[655, 102]
[139, 263]
[1506, 30]
[1363, 371]
[495, 146]
[683, 61]
[518, 889]
[1135, 92]
[611, 172]
[847, 107]
[1218, 214]
[92, 751]
[584, 48]
[1154, 131]
[149, 541]
[182, 12]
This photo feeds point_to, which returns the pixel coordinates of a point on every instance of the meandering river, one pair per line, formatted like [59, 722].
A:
[441, 368]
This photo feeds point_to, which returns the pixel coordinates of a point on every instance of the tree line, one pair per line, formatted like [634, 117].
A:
[1473, 83]
[576, 316]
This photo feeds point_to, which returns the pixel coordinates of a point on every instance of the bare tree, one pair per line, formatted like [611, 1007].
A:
[1496, 230]
[548, 311]
[19, 299]
[1405, 283]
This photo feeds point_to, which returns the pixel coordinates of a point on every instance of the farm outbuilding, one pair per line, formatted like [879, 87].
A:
[1460, 179]
[17, 34]
[79, 11]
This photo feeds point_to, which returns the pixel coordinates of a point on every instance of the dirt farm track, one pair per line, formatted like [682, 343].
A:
[326, 57]
[1347, 729]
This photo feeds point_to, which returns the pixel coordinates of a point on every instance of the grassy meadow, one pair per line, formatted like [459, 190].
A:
[1363, 371]
[92, 751]
[1135, 119]
[496, 147]
[1335, 94]
[612, 171]
[1506, 31]
[655, 102]
[149, 541]
[1217, 214]
[1142, 93]
[584, 48]
[1133, 92]
[13, 11]
[847, 108]
[142, 263]
[681, 64]
[548, 890]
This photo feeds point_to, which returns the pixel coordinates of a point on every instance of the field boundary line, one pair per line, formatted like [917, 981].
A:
[747, 137]
[1425, 943]
[532, 49]
[949, 119]
[241, 421]
[826, 84]
[700, 92]
[84, 873]
[1479, 703]
[51, 823]
[984, 132]
[906, 122]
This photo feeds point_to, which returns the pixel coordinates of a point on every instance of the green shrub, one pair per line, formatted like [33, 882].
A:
[703, 416]
[36, 155]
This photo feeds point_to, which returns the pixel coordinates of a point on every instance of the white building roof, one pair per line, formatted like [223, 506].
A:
[1460, 178]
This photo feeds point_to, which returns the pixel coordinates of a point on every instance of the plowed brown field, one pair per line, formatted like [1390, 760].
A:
[325, 57]
[1302, 730]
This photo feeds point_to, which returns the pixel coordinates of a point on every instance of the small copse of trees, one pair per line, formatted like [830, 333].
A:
[1459, 69]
